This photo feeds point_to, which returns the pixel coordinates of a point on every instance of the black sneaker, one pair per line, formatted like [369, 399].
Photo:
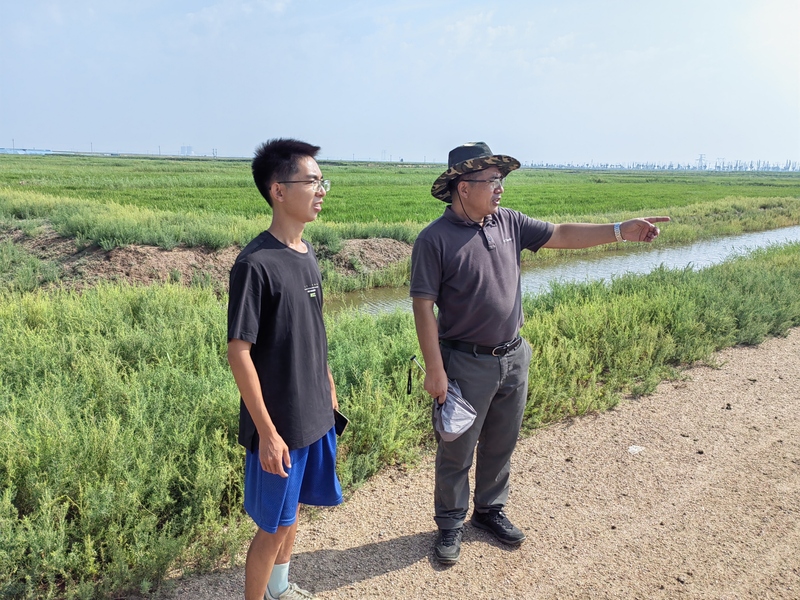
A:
[497, 522]
[448, 545]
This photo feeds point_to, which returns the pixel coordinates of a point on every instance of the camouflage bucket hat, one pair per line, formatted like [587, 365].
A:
[473, 156]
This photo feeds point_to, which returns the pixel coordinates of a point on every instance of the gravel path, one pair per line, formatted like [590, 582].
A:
[693, 492]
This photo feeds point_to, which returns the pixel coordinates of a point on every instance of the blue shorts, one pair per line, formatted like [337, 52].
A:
[271, 500]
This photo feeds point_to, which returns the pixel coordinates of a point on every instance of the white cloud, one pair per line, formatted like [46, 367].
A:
[561, 43]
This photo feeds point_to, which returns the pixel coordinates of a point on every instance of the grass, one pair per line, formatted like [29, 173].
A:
[115, 202]
[372, 193]
[120, 225]
[110, 225]
[631, 335]
[118, 451]
[118, 455]
[396, 275]
[19, 271]
[161, 184]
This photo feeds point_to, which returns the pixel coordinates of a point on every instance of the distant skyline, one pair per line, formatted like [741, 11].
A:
[581, 82]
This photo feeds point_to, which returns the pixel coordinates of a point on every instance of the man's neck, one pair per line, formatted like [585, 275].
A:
[459, 210]
[288, 232]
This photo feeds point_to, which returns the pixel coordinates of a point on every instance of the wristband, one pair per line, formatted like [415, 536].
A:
[618, 233]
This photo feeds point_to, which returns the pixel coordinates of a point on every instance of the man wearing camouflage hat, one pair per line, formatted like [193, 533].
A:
[467, 263]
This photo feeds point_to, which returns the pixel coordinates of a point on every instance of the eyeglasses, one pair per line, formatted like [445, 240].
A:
[319, 184]
[494, 183]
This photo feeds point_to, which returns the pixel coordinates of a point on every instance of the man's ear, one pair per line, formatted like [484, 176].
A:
[463, 188]
[276, 191]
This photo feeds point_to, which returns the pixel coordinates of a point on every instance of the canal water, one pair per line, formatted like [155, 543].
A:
[536, 278]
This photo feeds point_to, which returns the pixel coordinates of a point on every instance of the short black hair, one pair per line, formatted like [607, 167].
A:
[277, 159]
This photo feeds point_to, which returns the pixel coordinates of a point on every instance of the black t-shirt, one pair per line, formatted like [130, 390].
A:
[276, 304]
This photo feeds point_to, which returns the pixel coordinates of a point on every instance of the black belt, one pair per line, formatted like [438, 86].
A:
[500, 350]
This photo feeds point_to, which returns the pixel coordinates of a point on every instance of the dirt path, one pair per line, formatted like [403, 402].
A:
[708, 508]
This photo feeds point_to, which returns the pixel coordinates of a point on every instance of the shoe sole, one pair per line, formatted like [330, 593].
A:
[446, 561]
[497, 537]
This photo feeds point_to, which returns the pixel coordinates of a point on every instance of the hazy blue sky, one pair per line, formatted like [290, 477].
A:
[554, 81]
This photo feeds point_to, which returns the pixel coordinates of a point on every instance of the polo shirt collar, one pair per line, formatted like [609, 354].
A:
[450, 215]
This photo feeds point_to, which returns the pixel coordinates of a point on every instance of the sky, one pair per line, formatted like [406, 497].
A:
[558, 81]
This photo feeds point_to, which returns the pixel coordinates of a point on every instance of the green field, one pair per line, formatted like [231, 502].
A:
[118, 455]
[377, 192]
[118, 413]
[115, 202]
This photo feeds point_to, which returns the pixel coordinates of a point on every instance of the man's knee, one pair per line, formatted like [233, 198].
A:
[263, 537]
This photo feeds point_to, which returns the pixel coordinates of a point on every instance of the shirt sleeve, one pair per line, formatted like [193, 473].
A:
[533, 233]
[244, 302]
[426, 270]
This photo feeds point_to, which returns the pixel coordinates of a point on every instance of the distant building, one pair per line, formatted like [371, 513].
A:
[23, 151]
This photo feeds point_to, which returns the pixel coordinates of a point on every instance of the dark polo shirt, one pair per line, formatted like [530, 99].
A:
[472, 273]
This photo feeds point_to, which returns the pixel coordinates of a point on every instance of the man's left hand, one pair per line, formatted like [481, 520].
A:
[641, 230]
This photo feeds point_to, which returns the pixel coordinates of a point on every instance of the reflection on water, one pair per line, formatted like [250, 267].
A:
[536, 278]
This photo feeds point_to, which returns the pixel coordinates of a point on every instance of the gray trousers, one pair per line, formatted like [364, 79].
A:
[497, 388]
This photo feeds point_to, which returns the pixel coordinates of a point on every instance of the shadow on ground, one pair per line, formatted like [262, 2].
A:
[321, 570]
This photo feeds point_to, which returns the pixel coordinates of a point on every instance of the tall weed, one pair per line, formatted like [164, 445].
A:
[20, 271]
[592, 340]
[118, 454]
[117, 451]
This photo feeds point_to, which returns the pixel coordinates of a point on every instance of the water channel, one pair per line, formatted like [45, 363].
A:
[536, 278]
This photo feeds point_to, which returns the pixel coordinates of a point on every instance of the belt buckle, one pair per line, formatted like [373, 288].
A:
[504, 349]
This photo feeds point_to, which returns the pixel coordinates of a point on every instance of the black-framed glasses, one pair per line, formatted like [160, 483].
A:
[494, 182]
[319, 184]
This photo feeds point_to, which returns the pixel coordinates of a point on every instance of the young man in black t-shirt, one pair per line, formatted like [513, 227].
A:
[277, 350]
